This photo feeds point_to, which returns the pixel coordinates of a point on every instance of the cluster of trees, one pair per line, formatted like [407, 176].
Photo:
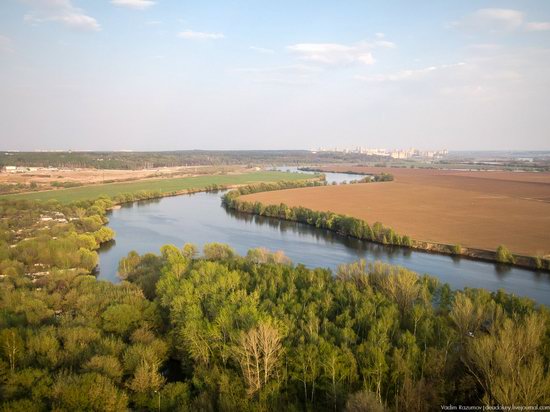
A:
[155, 194]
[139, 195]
[382, 177]
[342, 224]
[71, 343]
[503, 255]
[214, 187]
[6, 188]
[36, 237]
[268, 187]
[65, 185]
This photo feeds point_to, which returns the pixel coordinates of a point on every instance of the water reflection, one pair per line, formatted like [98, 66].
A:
[105, 247]
[331, 178]
[502, 270]
[200, 218]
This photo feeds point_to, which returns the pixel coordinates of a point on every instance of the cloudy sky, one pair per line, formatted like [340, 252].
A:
[296, 74]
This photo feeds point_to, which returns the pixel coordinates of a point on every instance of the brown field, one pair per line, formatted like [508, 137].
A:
[44, 177]
[475, 209]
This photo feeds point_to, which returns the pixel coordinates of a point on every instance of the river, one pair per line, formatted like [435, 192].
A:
[199, 218]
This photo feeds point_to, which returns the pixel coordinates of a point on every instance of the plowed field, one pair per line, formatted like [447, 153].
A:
[475, 209]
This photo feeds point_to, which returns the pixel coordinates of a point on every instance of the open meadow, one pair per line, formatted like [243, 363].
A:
[167, 185]
[474, 209]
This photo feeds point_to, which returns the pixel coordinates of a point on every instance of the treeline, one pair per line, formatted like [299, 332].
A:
[382, 177]
[129, 197]
[148, 160]
[257, 333]
[7, 188]
[360, 229]
[341, 224]
[65, 185]
[269, 187]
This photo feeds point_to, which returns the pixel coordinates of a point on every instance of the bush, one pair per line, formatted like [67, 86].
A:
[503, 255]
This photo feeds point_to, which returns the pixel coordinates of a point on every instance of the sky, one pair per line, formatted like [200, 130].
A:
[285, 74]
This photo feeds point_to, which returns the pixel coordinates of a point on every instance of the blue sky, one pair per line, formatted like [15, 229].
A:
[166, 74]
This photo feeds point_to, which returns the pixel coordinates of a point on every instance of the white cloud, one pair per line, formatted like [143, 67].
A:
[384, 44]
[337, 54]
[299, 69]
[506, 18]
[484, 47]
[6, 44]
[410, 74]
[494, 19]
[134, 4]
[293, 74]
[198, 35]
[332, 53]
[537, 26]
[262, 50]
[61, 11]
[490, 78]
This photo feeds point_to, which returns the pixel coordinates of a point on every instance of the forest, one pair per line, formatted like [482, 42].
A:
[209, 331]
[147, 160]
[224, 332]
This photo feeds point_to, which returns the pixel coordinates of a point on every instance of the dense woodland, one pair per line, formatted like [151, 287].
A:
[217, 331]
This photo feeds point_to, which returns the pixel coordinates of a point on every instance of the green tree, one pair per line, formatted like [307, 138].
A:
[507, 363]
[121, 318]
[12, 346]
[503, 255]
[218, 251]
[89, 391]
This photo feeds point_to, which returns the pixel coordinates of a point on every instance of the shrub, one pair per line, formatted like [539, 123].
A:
[503, 255]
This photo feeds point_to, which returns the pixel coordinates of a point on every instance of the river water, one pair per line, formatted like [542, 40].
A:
[329, 176]
[199, 218]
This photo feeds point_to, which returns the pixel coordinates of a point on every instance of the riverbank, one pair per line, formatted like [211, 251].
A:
[358, 228]
[481, 210]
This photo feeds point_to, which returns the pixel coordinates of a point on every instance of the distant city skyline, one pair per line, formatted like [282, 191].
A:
[171, 75]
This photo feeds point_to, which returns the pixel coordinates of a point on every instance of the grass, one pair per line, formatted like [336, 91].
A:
[161, 185]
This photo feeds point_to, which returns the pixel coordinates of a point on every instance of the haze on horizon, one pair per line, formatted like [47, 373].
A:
[169, 75]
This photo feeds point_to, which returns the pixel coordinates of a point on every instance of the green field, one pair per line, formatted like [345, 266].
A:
[161, 185]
